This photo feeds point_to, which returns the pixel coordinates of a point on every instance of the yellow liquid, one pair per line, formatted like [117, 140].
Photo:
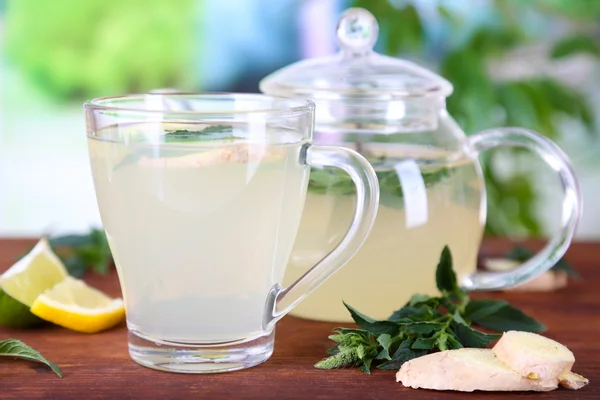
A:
[198, 242]
[402, 251]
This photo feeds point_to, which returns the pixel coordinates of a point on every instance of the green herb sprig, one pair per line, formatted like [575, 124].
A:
[17, 349]
[425, 324]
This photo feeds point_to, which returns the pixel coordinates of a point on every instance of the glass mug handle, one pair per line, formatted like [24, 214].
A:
[281, 301]
[571, 206]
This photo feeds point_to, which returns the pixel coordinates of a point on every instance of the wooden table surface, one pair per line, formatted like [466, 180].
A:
[98, 366]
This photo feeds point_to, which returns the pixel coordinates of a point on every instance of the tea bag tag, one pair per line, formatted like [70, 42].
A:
[414, 193]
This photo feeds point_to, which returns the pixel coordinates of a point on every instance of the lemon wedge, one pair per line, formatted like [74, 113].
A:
[74, 305]
[38, 271]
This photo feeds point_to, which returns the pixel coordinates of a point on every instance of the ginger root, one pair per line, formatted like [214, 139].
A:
[573, 381]
[533, 356]
[466, 370]
[520, 361]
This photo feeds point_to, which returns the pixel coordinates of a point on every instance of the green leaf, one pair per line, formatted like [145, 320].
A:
[504, 318]
[18, 349]
[213, 132]
[334, 181]
[360, 351]
[330, 181]
[401, 355]
[424, 343]
[470, 337]
[575, 44]
[334, 350]
[452, 342]
[518, 105]
[563, 265]
[385, 341]
[488, 41]
[373, 326]
[423, 328]
[478, 309]
[366, 366]
[444, 276]
[81, 252]
[425, 312]
[416, 299]
[566, 100]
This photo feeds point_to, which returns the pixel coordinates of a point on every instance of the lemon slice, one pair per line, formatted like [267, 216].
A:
[74, 305]
[38, 271]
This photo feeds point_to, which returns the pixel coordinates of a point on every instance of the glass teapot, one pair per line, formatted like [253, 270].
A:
[432, 191]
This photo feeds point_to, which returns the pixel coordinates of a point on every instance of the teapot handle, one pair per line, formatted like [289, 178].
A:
[571, 206]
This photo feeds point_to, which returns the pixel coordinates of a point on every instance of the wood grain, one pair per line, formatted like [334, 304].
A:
[98, 366]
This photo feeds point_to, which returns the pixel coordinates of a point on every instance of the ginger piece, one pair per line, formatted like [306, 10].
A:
[572, 381]
[533, 356]
[226, 154]
[500, 264]
[466, 370]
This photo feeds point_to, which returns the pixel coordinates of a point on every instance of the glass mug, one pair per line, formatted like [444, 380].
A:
[201, 196]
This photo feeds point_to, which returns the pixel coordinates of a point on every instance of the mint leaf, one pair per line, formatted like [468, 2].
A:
[423, 328]
[366, 367]
[470, 337]
[208, 133]
[401, 355]
[336, 182]
[445, 277]
[16, 348]
[424, 343]
[488, 314]
[385, 341]
[409, 314]
[371, 325]
[418, 299]
[478, 309]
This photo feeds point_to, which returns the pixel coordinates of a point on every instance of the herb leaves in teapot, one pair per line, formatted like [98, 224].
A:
[425, 324]
[337, 182]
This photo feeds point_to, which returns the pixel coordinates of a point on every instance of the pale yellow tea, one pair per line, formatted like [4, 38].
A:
[205, 228]
[429, 199]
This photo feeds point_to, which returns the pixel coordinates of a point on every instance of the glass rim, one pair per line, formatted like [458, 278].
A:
[298, 105]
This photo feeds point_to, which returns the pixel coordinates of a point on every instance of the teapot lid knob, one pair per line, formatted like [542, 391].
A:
[357, 31]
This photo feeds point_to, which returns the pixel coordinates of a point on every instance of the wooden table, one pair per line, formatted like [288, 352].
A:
[98, 366]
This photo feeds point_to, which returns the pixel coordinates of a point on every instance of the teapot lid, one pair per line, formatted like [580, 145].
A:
[356, 71]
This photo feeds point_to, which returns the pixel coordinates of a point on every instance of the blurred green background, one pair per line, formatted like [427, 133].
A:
[525, 63]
